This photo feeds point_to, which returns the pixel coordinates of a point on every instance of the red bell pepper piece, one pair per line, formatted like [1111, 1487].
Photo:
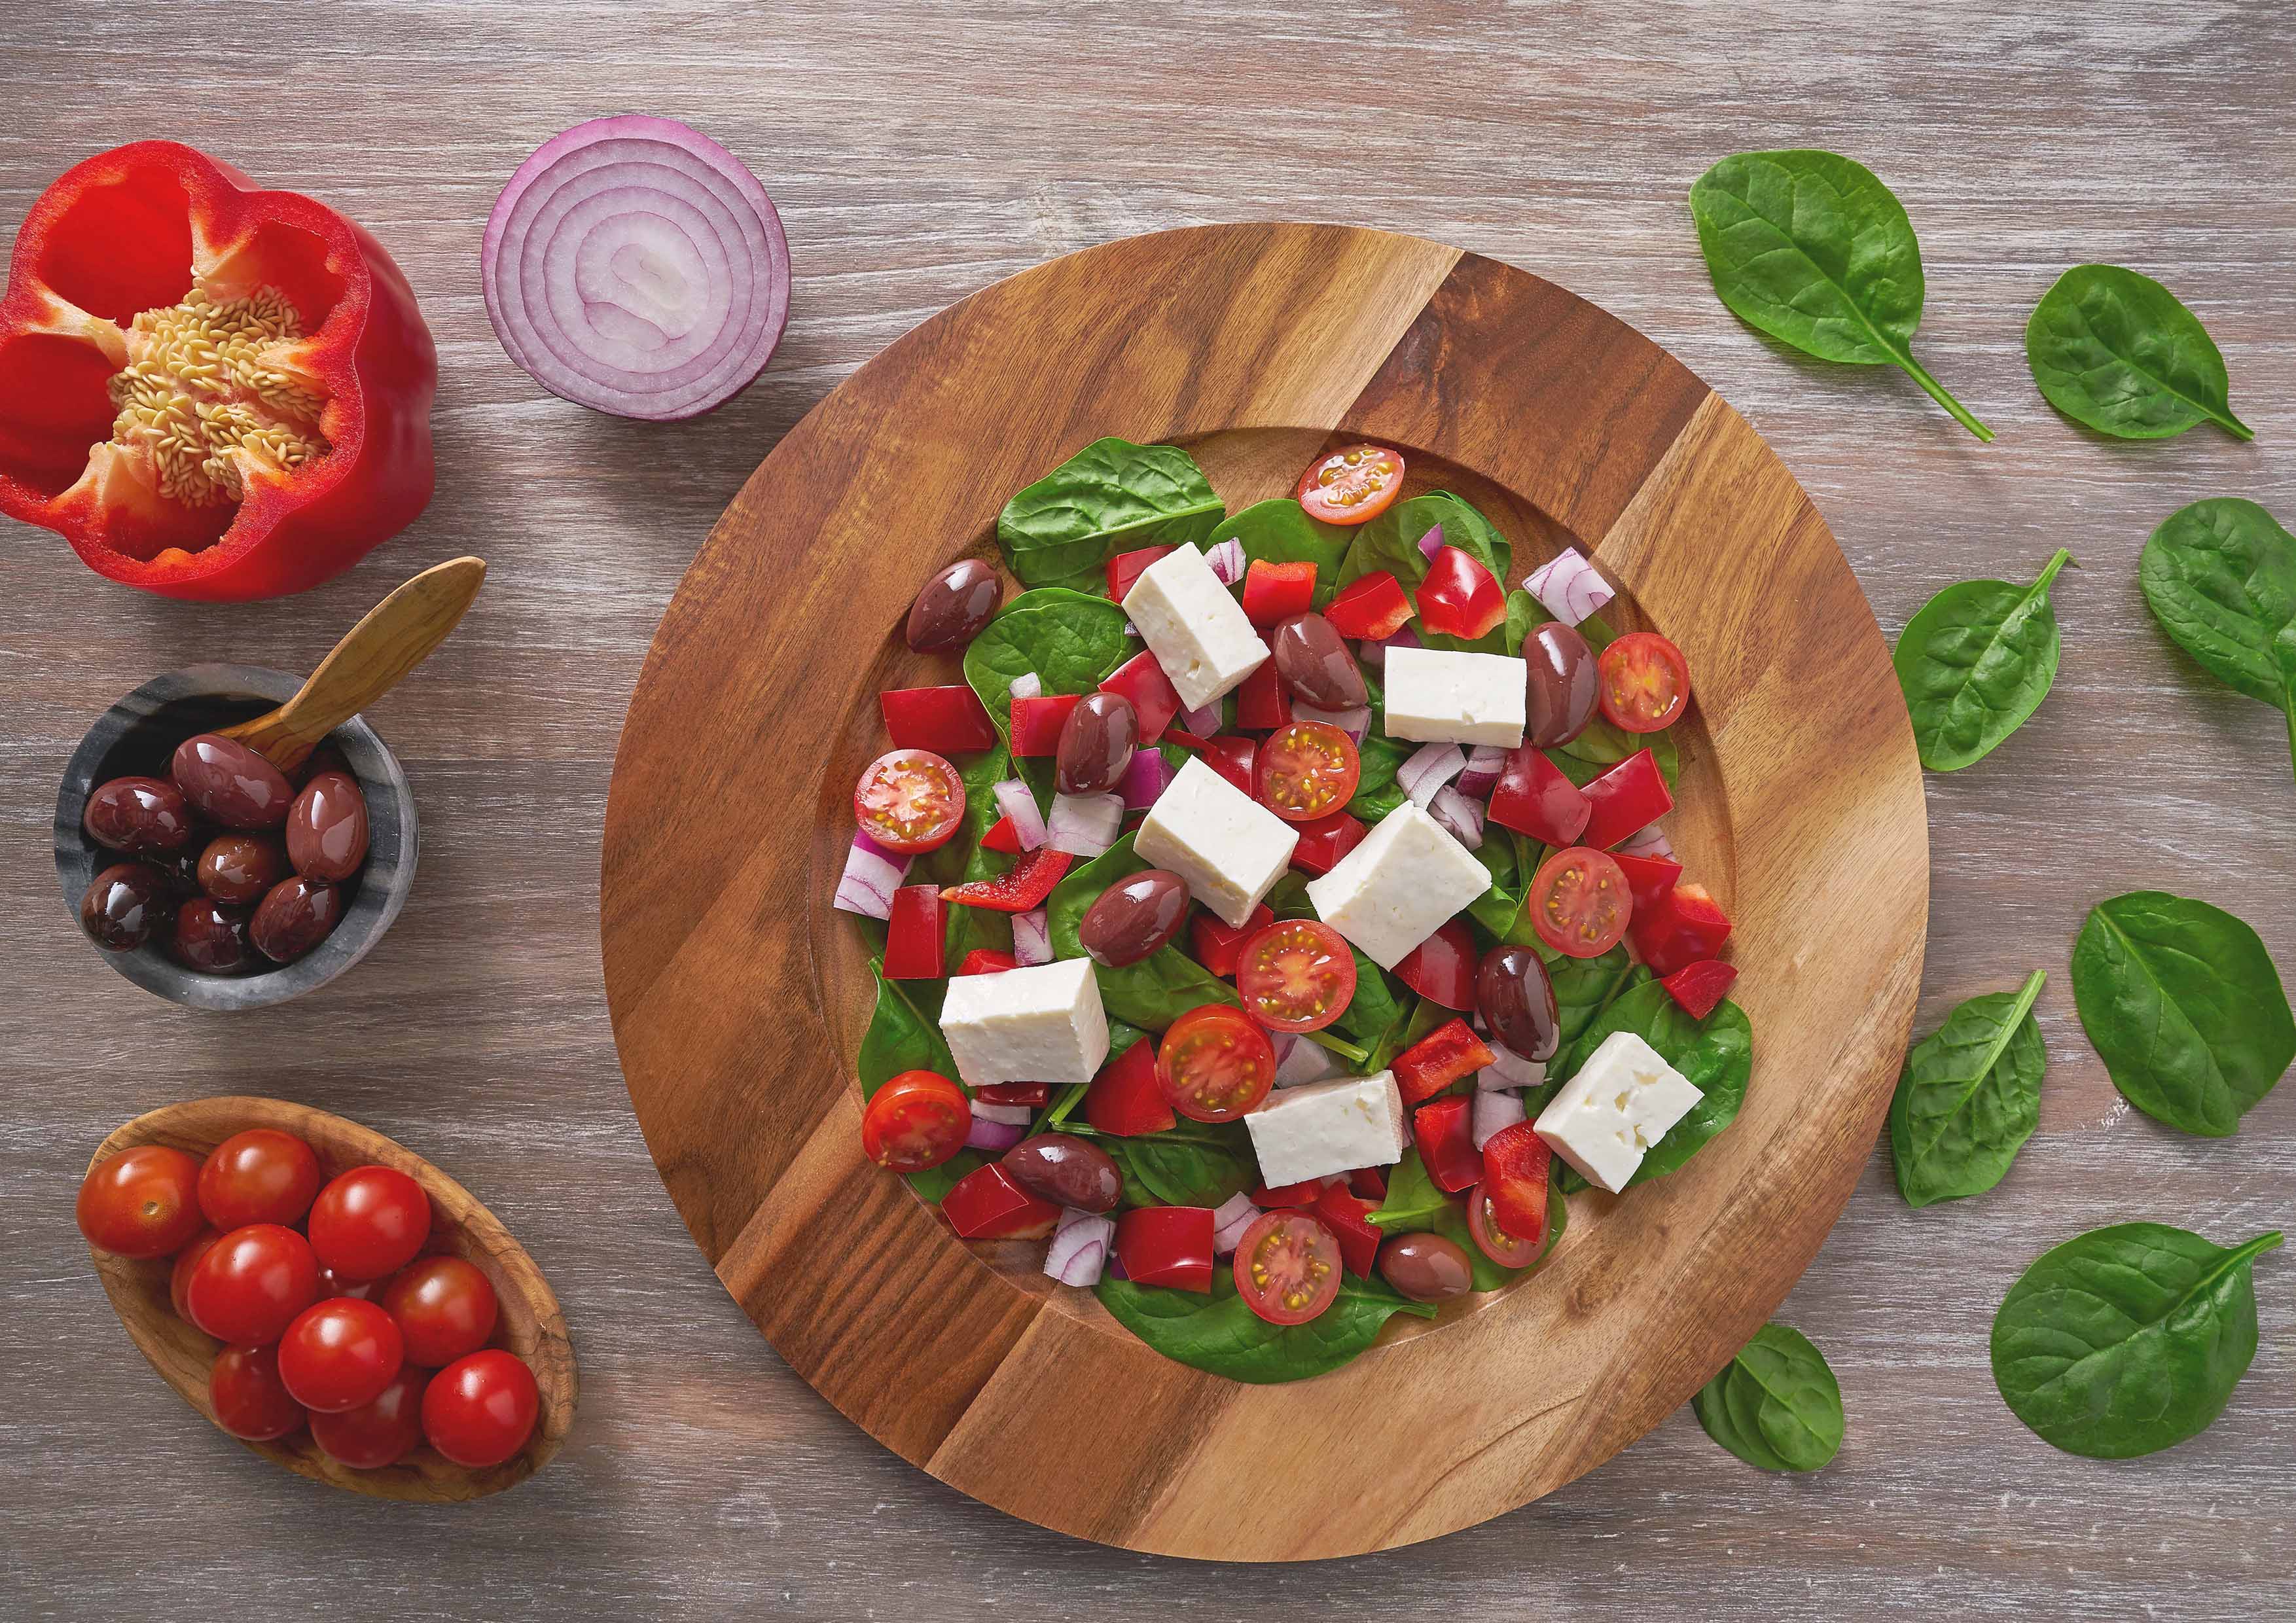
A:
[1166, 1245]
[1447, 1142]
[1259, 703]
[987, 961]
[1272, 593]
[1699, 987]
[1516, 1162]
[912, 935]
[1155, 699]
[987, 1204]
[1327, 839]
[1029, 883]
[1036, 723]
[1534, 798]
[1372, 608]
[1125, 1099]
[1441, 969]
[1441, 1057]
[1219, 946]
[1625, 800]
[1648, 877]
[1287, 1194]
[324, 448]
[1126, 568]
[945, 720]
[1367, 1184]
[1348, 1215]
[1459, 598]
[1001, 836]
[1035, 1094]
[1686, 925]
[1229, 755]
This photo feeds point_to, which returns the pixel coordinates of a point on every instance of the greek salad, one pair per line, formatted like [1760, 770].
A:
[1276, 918]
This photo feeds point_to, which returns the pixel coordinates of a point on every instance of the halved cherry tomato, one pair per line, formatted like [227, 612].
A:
[1287, 1268]
[1696, 987]
[1219, 945]
[1126, 1099]
[1166, 1245]
[140, 1202]
[909, 800]
[1493, 1241]
[1347, 1215]
[916, 1120]
[249, 1399]
[480, 1409]
[1515, 1166]
[1446, 1142]
[1534, 798]
[1215, 1064]
[1296, 975]
[1459, 597]
[1259, 703]
[1351, 485]
[337, 1355]
[1029, 883]
[1579, 903]
[1441, 969]
[369, 1222]
[987, 1204]
[1308, 770]
[1272, 593]
[1371, 607]
[1155, 699]
[1686, 925]
[1441, 1057]
[1125, 568]
[1037, 723]
[1645, 683]
[443, 1306]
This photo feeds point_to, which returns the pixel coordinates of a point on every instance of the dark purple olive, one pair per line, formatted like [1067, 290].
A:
[210, 936]
[1066, 1171]
[1096, 744]
[1560, 699]
[230, 783]
[1315, 664]
[181, 869]
[953, 607]
[241, 867]
[1134, 917]
[297, 915]
[1516, 1001]
[138, 815]
[326, 828]
[1427, 1267]
[326, 757]
[124, 905]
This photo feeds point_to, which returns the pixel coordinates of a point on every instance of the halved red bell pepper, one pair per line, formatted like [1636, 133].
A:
[1032, 1094]
[1284, 1196]
[1327, 839]
[1036, 723]
[1373, 607]
[912, 935]
[987, 1204]
[1001, 836]
[1126, 568]
[1441, 1057]
[1447, 1142]
[1648, 877]
[1155, 699]
[1166, 1245]
[1441, 969]
[1686, 925]
[1459, 597]
[1259, 703]
[1124, 1099]
[211, 391]
[1347, 1215]
[987, 961]
[1029, 883]
[1534, 798]
[1229, 755]
[945, 720]
[1625, 800]
[1699, 987]
[1272, 593]
[1219, 946]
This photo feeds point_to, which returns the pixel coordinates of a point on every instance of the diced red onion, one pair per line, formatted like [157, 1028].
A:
[1236, 1215]
[993, 1137]
[1080, 1247]
[1462, 816]
[1306, 1062]
[1009, 1115]
[1202, 723]
[1429, 767]
[1651, 842]
[1485, 763]
[1227, 561]
[1354, 723]
[1509, 1069]
[1430, 544]
[1032, 938]
[1491, 1112]
[1150, 775]
[1017, 801]
[872, 874]
[1028, 684]
[1374, 654]
[1569, 585]
[1085, 825]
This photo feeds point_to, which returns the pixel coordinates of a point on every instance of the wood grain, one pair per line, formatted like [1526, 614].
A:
[918, 151]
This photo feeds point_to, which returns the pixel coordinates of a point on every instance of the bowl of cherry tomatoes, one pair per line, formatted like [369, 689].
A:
[330, 1299]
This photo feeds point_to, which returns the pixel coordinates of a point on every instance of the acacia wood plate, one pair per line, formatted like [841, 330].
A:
[739, 997]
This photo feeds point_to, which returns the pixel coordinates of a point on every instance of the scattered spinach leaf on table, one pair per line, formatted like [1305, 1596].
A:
[1218, 1333]
[1775, 1406]
[904, 1034]
[1716, 1054]
[1975, 663]
[1151, 993]
[2220, 577]
[2284, 655]
[1111, 497]
[2118, 352]
[1969, 1098]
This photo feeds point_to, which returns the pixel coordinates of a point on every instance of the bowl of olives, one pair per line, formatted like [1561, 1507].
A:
[205, 875]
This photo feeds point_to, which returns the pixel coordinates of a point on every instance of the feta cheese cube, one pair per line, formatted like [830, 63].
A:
[1196, 629]
[1324, 1128]
[1399, 886]
[1436, 696]
[1623, 1099]
[1042, 1023]
[1228, 847]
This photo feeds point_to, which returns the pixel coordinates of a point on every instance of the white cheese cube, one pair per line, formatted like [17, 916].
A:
[1228, 847]
[1324, 1128]
[1196, 629]
[1043, 1023]
[1398, 887]
[1436, 696]
[1623, 1099]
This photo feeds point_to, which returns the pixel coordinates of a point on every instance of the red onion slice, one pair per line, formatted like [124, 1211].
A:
[1354, 723]
[1227, 561]
[1085, 825]
[1149, 775]
[1015, 800]
[1080, 1247]
[1459, 815]
[1374, 654]
[1234, 1215]
[993, 1137]
[1305, 1062]
[1003, 1115]
[1205, 722]
[1032, 938]
[1569, 585]
[1509, 1069]
[872, 874]
[1431, 766]
[1485, 763]
[1651, 842]
[1490, 1113]
[1430, 544]
[1028, 684]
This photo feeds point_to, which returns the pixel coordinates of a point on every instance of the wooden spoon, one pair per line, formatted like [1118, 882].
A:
[397, 635]
[530, 1324]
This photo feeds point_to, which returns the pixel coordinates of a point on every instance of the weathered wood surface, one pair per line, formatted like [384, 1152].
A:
[919, 151]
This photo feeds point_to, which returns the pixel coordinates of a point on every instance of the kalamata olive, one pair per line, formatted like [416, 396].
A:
[241, 867]
[138, 815]
[953, 607]
[1426, 1267]
[326, 757]
[1316, 665]
[1517, 1001]
[1134, 917]
[230, 783]
[1560, 700]
[1066, 1171]
[326, 828]
[297, 915]
[123, 904]
[210, 936]
[1096, 744]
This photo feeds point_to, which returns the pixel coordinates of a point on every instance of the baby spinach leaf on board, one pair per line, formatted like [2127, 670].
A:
[1975, 663]
[1377, 1009]
[2128, 1340]
[1218, 1333]
[1280, 532]
[1151, 993]
[1969, 1098]
[1111, 497]
[1068, 639]
[2184, 1005]
[1775, 1406]
[2220, 577]
[1390, 541]
[1716, 1054]
[1584, 987]
[1192, 1164]
[904, 1034]
[1413, 1201]
[1812, 249]
[2118, 352]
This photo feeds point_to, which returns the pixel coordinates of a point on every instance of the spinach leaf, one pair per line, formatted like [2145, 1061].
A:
[1775, 1406]
[2182, 1003]
[1584, 987]
[1810, 248]
[1109, 497]
[1218, 1333]
[1280, 532]
[1380, 757]
[2128, 1340]
[2220, 577]
[1523, 612]
[2120, 353]
[1716, 1054]
[1413, 1201]
[1375, 1012]
[1192, 1164]
[1390, 541]
[1151, 993]
[964, 859]
[2284, 655]
[1068, 639]
[1969, 1098]
[1976, 662]
[904, 1034]
[1511, 859]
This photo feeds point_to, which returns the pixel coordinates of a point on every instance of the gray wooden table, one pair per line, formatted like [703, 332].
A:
[917, 151]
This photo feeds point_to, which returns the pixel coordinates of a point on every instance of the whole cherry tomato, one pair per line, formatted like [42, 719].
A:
[333, 1283]
[251, 1283]
[379, 1433]
[369, 1222]
[480, 1409]
[444, 1307]
[337, 1355]
[180, 1275]
[260, 1175]
[140, 1202]
[249, 1399]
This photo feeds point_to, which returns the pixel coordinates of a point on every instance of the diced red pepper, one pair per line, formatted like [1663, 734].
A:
[987, 961]
[912, 935]
[1373, 607]
[1287, 1194]
[1534, 798]
[1516, 1163]
[1036, 723]
[1441, 969]
[1029, 883]
[1001, 836]
[1686, 925]
[1155, 699]
[1272, 593]
[987, 1204]
[945, 720]
[1699, 987]
[1229, 755]
[1447, 1142]
[1260, 703]
[1035, 1094]
[1459, 597]
[1625, 800]
[1219, 946]
[1166, 1245]
[1367, 1184]
[1648, 877]
[1441, 1057]
[1327, 839]
[1347, 1215]
[1125, 1099]
[1126, 568]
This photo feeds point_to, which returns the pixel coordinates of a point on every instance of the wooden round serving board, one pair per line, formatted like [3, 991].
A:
[738, 996]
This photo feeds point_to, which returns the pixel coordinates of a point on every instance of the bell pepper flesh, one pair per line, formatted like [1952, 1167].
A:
[1260, 703]
[1327, 839]
[1648, 877]
[1036, 723]
[1441, 1057]
[945, 720]
[1685, 926]
[912, 935]
[985, 961]
[1447, 1142]
[1166, 1245]
[1155, 699]
[1124, 569]
[1125, 1098]
[1001, 836]
[1231, 756]
[1459, 597]
[987, 1204]
[1534, 798]
[1029, 883]
[1625, 800]
[1699, 987]
[1219, 946]
[1372, 608]
[1272, 593]
[1347, 1215]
